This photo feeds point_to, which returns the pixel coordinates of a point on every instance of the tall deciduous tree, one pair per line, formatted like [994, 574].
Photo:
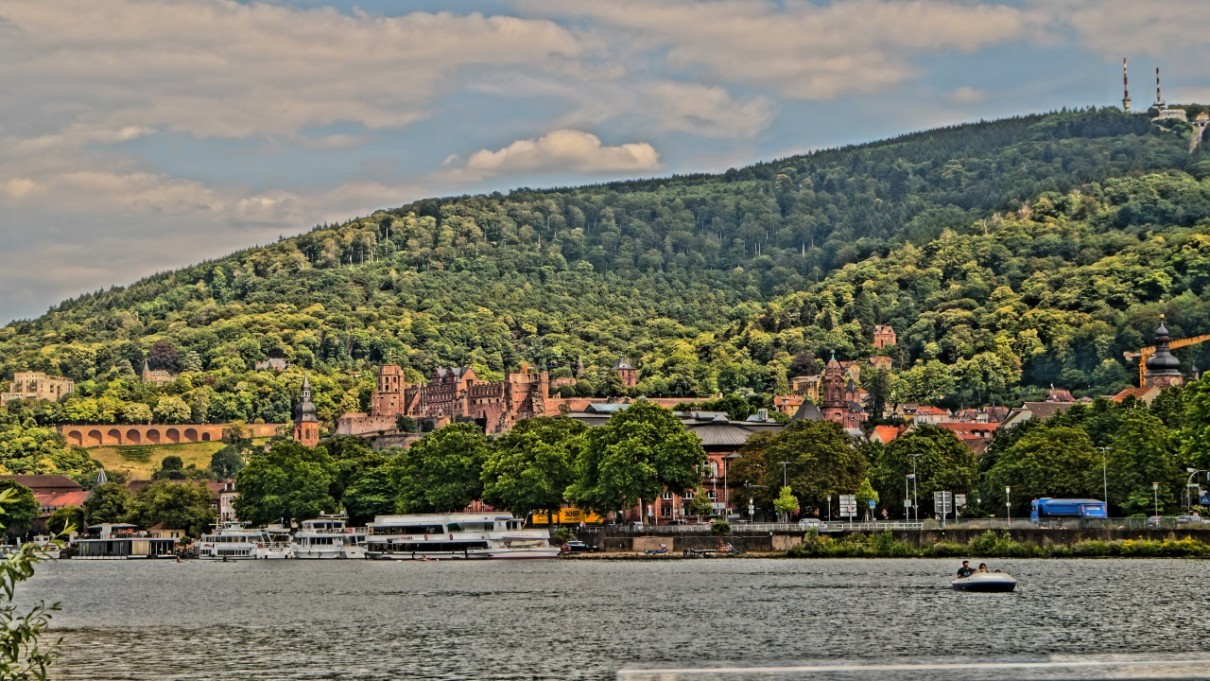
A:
[442, 471]
[1140, 453]
[530, 467]
[175, 505]
[1055, 461]
[21, 510]
[820, 460]
[108, 503]
[289, 482]
[942, 463]
[636, 455]
[370, 494]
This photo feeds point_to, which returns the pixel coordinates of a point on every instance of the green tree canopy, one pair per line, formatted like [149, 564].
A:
[531, 467]
[370, 494]
[175, 505]
[63, 517]
[637, 454]
[227, 462]
[108, 502]
[442, 471]
[821, 460]
[1057, 461]
[288, 483]
[941, 463]
[22, 508]
[1141, 452]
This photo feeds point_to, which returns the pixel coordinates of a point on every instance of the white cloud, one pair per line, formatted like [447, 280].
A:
[967, 95]
[220, 68]
[799, 48]
[1178, 30]
[558, 151]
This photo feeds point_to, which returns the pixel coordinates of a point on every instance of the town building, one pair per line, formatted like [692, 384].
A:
[1163, 369]
[884, 336]
[306, 426]
[626, 372]
[52, 492]
[156, 376]
[36, 385]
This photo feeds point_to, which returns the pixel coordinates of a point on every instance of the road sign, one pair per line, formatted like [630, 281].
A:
[943, 502]
[872, 503]
[960, 500]
[848, 505]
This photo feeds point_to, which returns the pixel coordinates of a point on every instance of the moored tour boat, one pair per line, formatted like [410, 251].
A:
[456, 535]
[328, 537]
[234, 541]
[985, 582]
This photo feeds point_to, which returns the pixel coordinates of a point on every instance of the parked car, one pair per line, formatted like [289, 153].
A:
[810, 524]
[577, 546]
[1190, 520]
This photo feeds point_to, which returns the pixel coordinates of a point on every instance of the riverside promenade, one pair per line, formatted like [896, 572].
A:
[778, 537]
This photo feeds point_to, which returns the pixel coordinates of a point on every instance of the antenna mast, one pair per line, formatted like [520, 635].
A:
[1125, 88]
[1159, 101]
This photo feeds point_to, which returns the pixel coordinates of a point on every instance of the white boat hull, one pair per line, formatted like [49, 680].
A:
[986, 582]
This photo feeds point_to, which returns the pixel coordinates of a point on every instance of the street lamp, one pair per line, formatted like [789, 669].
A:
[1189, 486]
[1155, 491]
[907, 499]
[1105, 478]
[784, 479]
[915, 503]
[1008, 505]
[829, 508]
[751, 511]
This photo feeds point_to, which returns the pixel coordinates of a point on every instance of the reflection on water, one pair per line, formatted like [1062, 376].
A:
[585, 619]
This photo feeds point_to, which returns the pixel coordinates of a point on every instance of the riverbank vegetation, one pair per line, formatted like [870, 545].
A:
[994, 545]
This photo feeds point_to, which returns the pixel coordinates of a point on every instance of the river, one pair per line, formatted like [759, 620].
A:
[584, 619]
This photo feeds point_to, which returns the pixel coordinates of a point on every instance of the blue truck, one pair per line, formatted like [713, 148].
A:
[1045, 510]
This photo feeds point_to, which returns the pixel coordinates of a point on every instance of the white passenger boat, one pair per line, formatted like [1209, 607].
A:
[235, 541]
[328, 537]
[456, 535]
[985, 582]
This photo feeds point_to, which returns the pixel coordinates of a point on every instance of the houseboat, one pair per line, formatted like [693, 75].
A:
[328, 537]
[234, 541]
[120, 541]
[455, 536]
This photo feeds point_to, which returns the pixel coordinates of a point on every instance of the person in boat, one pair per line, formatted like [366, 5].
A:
[966, 570]
[982, 568]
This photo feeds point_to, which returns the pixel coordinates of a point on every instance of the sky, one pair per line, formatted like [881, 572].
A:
[138, 136]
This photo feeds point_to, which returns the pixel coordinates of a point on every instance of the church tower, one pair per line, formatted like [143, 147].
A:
[1163, 369]
[306, 426]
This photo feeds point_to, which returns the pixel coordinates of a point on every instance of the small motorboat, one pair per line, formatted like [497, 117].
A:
[985, 582]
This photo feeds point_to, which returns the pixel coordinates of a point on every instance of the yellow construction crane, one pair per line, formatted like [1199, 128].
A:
[1145, 354]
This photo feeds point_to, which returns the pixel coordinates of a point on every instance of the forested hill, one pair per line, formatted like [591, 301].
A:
[712, 282]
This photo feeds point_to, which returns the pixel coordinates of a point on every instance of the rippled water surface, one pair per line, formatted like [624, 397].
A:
[583, 619]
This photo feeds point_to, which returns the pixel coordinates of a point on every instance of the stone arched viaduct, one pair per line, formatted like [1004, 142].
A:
[100, 435]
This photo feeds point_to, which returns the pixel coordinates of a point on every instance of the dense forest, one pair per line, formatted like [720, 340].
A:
[1008, 255]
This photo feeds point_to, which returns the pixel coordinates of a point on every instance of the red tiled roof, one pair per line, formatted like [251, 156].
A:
[887, 433]
[61, 499]
[45, 483]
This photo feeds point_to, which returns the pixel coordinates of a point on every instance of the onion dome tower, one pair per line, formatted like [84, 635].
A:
[306, 426]
[1163, 369]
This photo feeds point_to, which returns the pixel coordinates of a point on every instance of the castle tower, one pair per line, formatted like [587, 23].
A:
[306, 426]
[1163, 369]
[388, 398]
[1125, 88]
[626, 372]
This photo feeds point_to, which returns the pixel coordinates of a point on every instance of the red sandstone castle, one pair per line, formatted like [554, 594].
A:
[456, 393]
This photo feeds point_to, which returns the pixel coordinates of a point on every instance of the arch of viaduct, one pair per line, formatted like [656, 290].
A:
[100, 435]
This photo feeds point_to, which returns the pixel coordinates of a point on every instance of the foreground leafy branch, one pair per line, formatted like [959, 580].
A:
[23, 657]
